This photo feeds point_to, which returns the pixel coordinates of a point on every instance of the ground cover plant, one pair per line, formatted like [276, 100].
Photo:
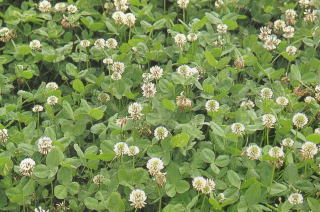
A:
[160, 105]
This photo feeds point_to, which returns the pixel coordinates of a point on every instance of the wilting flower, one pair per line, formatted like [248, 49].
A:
[161, 178]
[288, 142]
[121, 149]
[310, 15]
[100, 43]
[44, 6]
[160, 133]
[212, 106]
[269, 120]
[238, 128]
[131, 19]
[3, 135]
[239, 62]
[45, 145]
[35, 45]
[133, 150]
[154, 166]
[85, 43]
[222, 28]
[299, 120]
[111, 43]
[66, 23]
[26, 166]
[37, 108]
[266, 93]
[271, 42]
[121, 122]
[52, 85]
[7, 34]
[119, 17]
[98, 179]
[149, 89]
[282, 101]
[180, 39]
[72, 8]
[138, 198]
[183, 102]
[156, 72]
[308, 150]
[254, 152]
[295, 199]
[183, 4]
[265, 32]
[192, 37]
[52, 100]
[291, 15]
[291, 50]
[135, 110]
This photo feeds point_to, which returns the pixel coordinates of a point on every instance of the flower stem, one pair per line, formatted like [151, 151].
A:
[204, 197]
[160, 198]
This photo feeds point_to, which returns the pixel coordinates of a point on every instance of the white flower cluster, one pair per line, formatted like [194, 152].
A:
[26, 166]
[205, 186]
[138, 198]
[121, 18]
[121, 149]
[135, 111]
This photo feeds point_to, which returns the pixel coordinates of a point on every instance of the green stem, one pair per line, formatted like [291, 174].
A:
[272, 176]
[136, 210]
[267, 136]
[184, 15]
[203, 202]
[160, 198]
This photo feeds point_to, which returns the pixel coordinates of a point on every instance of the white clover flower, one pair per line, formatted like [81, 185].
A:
[107, 61]
[288, 142]
[279, 25]
[72, 8]
[212, 106]
[52, 85]
[269, 120]
[156, 72]
[121, 149]
[247, 104]
[254, 152]
[180, 39]
[149, 89]
[288, 32]
[35, 45]
[118, 67]
[317, 131]
[103, 97]
[147, 77]
[52, 100]
[265, 32]
[138, 198]
[305, 3]
[222, 28]
[100, 43]
[209, 187]
[154, 166]
[160, 133]
[121, 5]
[133, 150]
[271, 42]
[291, 15]
[85, 43]
[44, 6]
[192, 37]
[199, 183]
[317, 88]
[131, 19]
[185, 71]
[116, 76]
[276, 152]
[45, 145]
[310, 15]
[300, 120]
[291, 50]
[266, 93]
[238, 128]
[221, 197]
[282, 101]
[119, 17]
[309, 99]
[98, 179]
[60, 7]
[40, 209]
[183, 4]
[37, 108]
[26, 166]
[135, 111]
[308, 150]
[3, 135]
[295, 199]
[111, 43]
[218, 3]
